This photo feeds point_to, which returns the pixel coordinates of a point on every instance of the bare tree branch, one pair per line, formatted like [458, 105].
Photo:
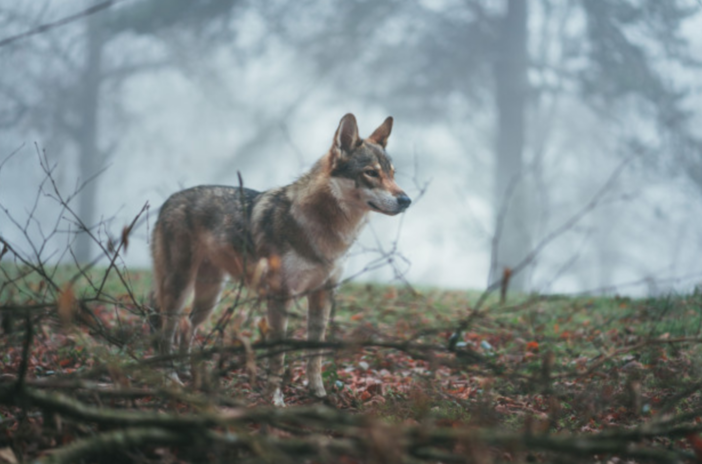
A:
[58, 23]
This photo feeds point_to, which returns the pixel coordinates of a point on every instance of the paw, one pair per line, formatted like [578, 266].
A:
[172, 377]
[278, 400]
[317, 389]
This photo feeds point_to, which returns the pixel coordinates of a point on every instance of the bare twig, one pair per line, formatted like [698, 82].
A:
[543, 243]
[61, 22]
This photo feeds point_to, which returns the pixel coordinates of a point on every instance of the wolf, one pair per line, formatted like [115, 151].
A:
[288, 242]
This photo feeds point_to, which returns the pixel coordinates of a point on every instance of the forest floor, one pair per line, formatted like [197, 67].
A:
[532, 379]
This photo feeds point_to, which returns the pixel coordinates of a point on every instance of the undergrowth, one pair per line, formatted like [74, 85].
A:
[536, 364]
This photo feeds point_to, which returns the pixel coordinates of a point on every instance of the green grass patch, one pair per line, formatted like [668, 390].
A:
[554, 363]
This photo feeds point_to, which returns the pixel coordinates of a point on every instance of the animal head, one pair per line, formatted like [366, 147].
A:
[362, 174]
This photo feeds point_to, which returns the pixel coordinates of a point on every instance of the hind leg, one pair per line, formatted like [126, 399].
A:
[208, 286]
[174, 280]
[175, 291]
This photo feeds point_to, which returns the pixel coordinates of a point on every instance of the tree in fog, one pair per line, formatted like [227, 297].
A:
[636, 51]
[509, 60]
[511, 194]
[66, 83]
[475, 66]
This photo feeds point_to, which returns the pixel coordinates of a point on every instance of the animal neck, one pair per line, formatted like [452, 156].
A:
[331, 221]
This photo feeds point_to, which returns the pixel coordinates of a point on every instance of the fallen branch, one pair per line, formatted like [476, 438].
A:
[116, 441]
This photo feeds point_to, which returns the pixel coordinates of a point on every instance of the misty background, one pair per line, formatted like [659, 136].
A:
[563, 131]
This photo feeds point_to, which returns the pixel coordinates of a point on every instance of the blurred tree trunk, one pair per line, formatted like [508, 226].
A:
[142, 18]
[512, 216]
[69, 84]
[89, 156]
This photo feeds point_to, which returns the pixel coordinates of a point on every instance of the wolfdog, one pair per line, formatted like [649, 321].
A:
[288, 242]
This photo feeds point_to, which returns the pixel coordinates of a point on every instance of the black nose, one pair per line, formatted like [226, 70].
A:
[404, 201]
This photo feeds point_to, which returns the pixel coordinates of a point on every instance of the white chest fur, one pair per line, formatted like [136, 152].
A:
[301, 275]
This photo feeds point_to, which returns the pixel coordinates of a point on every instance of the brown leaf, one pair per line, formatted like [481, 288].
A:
[274, 263]
[504, 285]
[391, 293]
[125, 236]
[532, 346]
[263, 327]
[66, 304]
[696, 443]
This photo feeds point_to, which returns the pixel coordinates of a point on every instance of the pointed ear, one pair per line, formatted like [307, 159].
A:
[346, 137]
[381, 134]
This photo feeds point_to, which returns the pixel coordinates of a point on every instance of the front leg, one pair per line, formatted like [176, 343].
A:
[278, 322]
[319, 306]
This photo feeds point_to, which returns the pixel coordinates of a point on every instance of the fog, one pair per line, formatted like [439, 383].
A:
[577, 153]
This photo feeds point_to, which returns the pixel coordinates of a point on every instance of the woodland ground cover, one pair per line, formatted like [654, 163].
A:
[531, 379]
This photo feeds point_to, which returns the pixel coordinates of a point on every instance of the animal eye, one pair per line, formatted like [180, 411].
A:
[371, 173]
